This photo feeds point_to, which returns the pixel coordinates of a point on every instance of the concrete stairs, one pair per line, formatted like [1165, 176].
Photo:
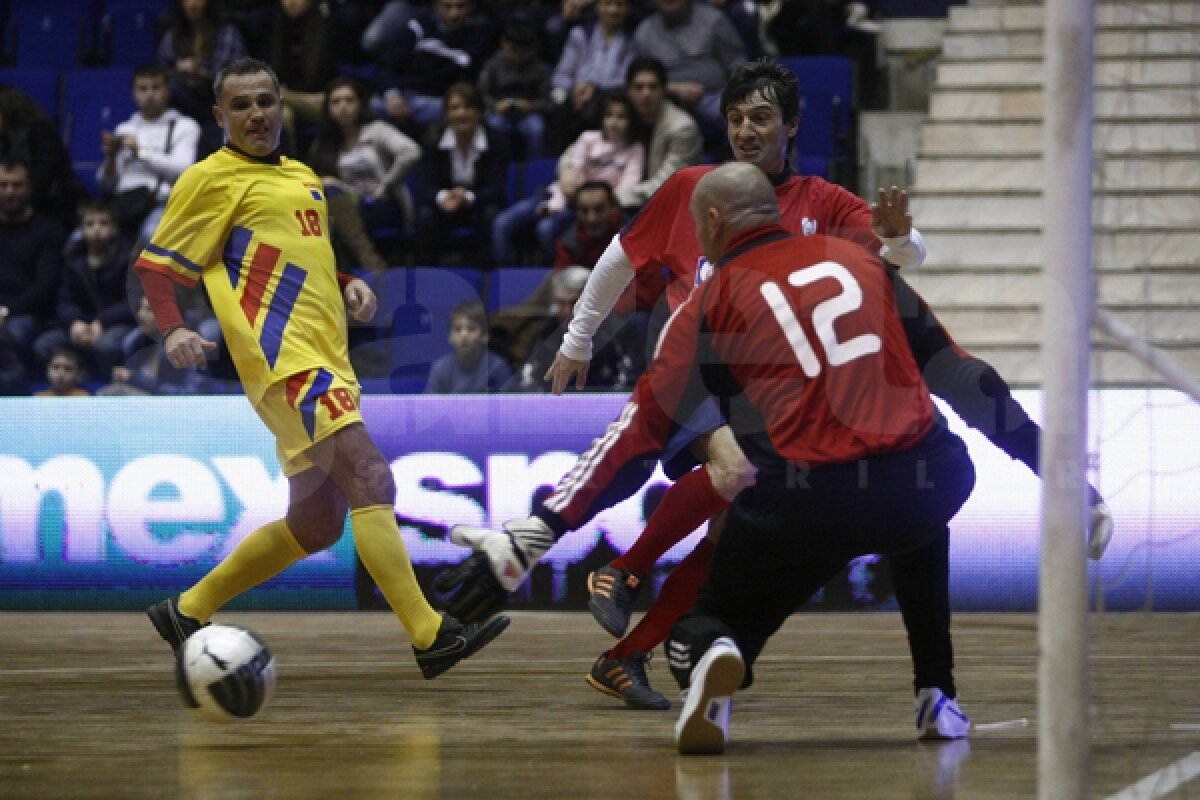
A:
[977, 193]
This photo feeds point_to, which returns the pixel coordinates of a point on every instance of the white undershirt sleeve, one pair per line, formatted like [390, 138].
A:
[612, 273]
[903, 251]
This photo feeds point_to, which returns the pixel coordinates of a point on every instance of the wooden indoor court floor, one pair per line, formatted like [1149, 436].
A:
[88, 709]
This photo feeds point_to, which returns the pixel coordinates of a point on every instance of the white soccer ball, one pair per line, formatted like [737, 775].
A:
[225, 672]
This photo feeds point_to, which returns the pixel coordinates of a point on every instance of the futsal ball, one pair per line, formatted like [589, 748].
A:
[225, 672]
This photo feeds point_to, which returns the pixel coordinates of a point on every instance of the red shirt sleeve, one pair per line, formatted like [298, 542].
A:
[160, 294]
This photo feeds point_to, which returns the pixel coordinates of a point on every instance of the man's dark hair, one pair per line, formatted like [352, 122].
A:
[96, 205]
[646, 64]
[9, 163]
[242, 66]
[592, 186]
[775, 82]
[149, 71]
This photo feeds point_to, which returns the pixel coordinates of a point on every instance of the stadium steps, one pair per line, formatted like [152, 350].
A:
[977, 192]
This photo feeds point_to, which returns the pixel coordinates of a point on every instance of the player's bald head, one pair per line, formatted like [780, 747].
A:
[729, 200]
[740, 193]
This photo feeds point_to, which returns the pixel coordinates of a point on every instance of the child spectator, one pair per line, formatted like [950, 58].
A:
[612, 154]
[516, 89]
[64, 371]
[472, 368]
[92, 309]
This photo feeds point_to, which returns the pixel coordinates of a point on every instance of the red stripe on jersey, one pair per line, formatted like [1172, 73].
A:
[261, 266]
[294, 385]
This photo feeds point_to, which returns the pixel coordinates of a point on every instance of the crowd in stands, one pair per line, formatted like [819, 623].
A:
[416, 115]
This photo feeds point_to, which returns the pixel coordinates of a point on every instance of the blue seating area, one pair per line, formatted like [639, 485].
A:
[828, 133]
[75, 59]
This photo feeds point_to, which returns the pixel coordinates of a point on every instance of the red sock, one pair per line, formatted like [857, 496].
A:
[677, 596]
[685, 505]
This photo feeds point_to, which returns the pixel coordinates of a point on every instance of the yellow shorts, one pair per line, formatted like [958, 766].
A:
[303, 410]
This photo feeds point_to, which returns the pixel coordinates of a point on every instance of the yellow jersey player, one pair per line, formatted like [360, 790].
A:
[252, 225]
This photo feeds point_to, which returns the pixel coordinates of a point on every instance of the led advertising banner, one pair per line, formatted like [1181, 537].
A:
[117, 502]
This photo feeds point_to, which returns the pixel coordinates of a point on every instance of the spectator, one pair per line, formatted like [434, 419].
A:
[363, 163]
[64, 371]
[305, 41]
[146, 370]
[613, 366]
[592, 66]
[472, 368]
[92, 311]
[194, 48]
[598, 219]
[26, 135]
[699, 48]
[516, 89]
[746, 19]
[433, 51]
[614, 155]
[463, 179]
[32, 244]
[558, 26]
[674, 138]
[146, 154]
[387, 26]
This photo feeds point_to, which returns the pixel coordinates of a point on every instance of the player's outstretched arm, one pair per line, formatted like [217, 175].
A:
[981, 396]
[608, 280]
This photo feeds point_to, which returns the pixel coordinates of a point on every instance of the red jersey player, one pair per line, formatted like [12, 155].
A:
[761, 104]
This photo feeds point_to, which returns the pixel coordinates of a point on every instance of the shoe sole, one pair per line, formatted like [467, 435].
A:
[603, 689]
[614, 628]
[492, 628]
[721, 676]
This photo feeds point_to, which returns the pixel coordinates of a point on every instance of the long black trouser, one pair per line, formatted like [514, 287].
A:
[790, 534]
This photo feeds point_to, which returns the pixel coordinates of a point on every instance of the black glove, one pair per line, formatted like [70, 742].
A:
[473, 592]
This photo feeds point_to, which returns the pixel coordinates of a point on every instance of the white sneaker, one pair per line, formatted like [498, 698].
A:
[938, 716]
[1100, 530]
[704, 723]
[512, 551]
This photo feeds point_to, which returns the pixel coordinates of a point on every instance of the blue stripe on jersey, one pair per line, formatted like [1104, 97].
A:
[308, 406]
[315, 194]
[280, 310]
[235, 252]
[176, 257]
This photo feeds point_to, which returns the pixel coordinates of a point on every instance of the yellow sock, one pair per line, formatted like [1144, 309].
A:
[263, 554]
[383, 554]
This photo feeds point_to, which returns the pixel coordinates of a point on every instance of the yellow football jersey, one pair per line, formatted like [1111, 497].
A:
[257, 234]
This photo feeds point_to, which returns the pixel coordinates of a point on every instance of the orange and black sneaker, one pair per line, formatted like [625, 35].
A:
[625, 678]
[613, 592]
